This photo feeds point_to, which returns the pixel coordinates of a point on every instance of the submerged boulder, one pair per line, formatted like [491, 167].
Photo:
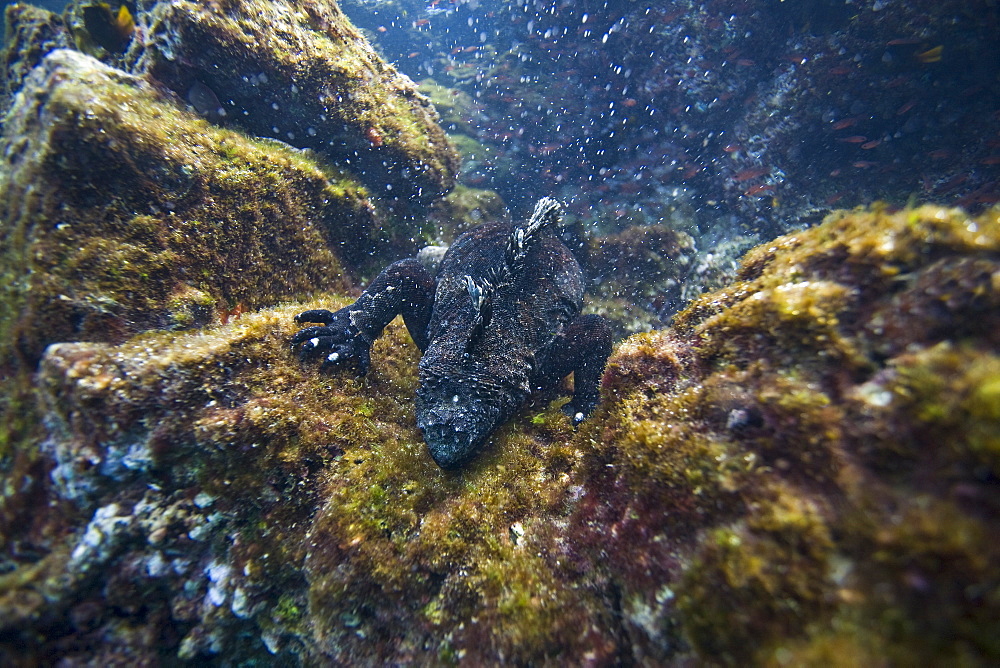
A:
[122, 213]
[803, 469]
[301, 73]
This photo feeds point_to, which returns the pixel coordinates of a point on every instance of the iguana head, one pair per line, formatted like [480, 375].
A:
[457, 414]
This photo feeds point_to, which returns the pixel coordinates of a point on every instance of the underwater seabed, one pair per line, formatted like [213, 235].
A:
[801, 469]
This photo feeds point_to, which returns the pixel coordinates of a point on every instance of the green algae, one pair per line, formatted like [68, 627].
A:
[172, 206]
[763, 581]
[784, 478]
[30, 33]
[324, 85]
[464, 208]
[840, 395]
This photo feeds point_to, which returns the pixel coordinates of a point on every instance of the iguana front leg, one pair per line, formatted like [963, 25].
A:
[403, 288]
[583, 348]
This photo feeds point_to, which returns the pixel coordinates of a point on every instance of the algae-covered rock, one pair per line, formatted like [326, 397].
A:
[31, 33]
[301, 73]
[795, 473]
[122, 213]
[192, 463]
[806, 462]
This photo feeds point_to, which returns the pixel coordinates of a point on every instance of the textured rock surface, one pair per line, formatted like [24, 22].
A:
[300, 72]
[803, 470]
[800, 469]
[122, 213]
[31, 34]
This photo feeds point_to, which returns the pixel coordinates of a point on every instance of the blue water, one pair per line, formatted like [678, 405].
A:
[755, 115]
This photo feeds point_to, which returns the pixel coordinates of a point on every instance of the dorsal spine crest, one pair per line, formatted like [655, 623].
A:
[547, 214]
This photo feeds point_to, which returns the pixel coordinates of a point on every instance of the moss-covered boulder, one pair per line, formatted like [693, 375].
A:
[795, 473]
[301, 73]
[186, 469]
[30, 34]
[802, 470]
[122, 213]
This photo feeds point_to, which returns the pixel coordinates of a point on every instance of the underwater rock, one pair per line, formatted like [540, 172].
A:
[637, 275]
[302, 74]
[121, 213]
[32, 32]
[464, 208]
[805, 464]
[192, 463]
[802, 470]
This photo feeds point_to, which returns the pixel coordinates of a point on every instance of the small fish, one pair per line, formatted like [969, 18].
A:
[758, 190]
[855, 139]
[931, 55]
[747, 174]
[845, 123]
[205, 102]
[868, 145]
[111, 30]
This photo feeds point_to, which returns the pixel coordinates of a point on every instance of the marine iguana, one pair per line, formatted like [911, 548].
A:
[501, 319]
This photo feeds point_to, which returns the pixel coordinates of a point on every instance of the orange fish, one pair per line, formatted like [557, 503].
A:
[747, 174]
[758, 189]
[856, 139]
[871, 144]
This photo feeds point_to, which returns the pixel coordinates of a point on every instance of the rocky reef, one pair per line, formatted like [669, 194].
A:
[803, 469]
[301, 73]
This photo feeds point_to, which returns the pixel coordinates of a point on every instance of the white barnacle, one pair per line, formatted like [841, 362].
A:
[313, 342]
[333, 357]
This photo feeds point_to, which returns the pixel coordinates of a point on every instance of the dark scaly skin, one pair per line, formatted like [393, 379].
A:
[478, 365]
